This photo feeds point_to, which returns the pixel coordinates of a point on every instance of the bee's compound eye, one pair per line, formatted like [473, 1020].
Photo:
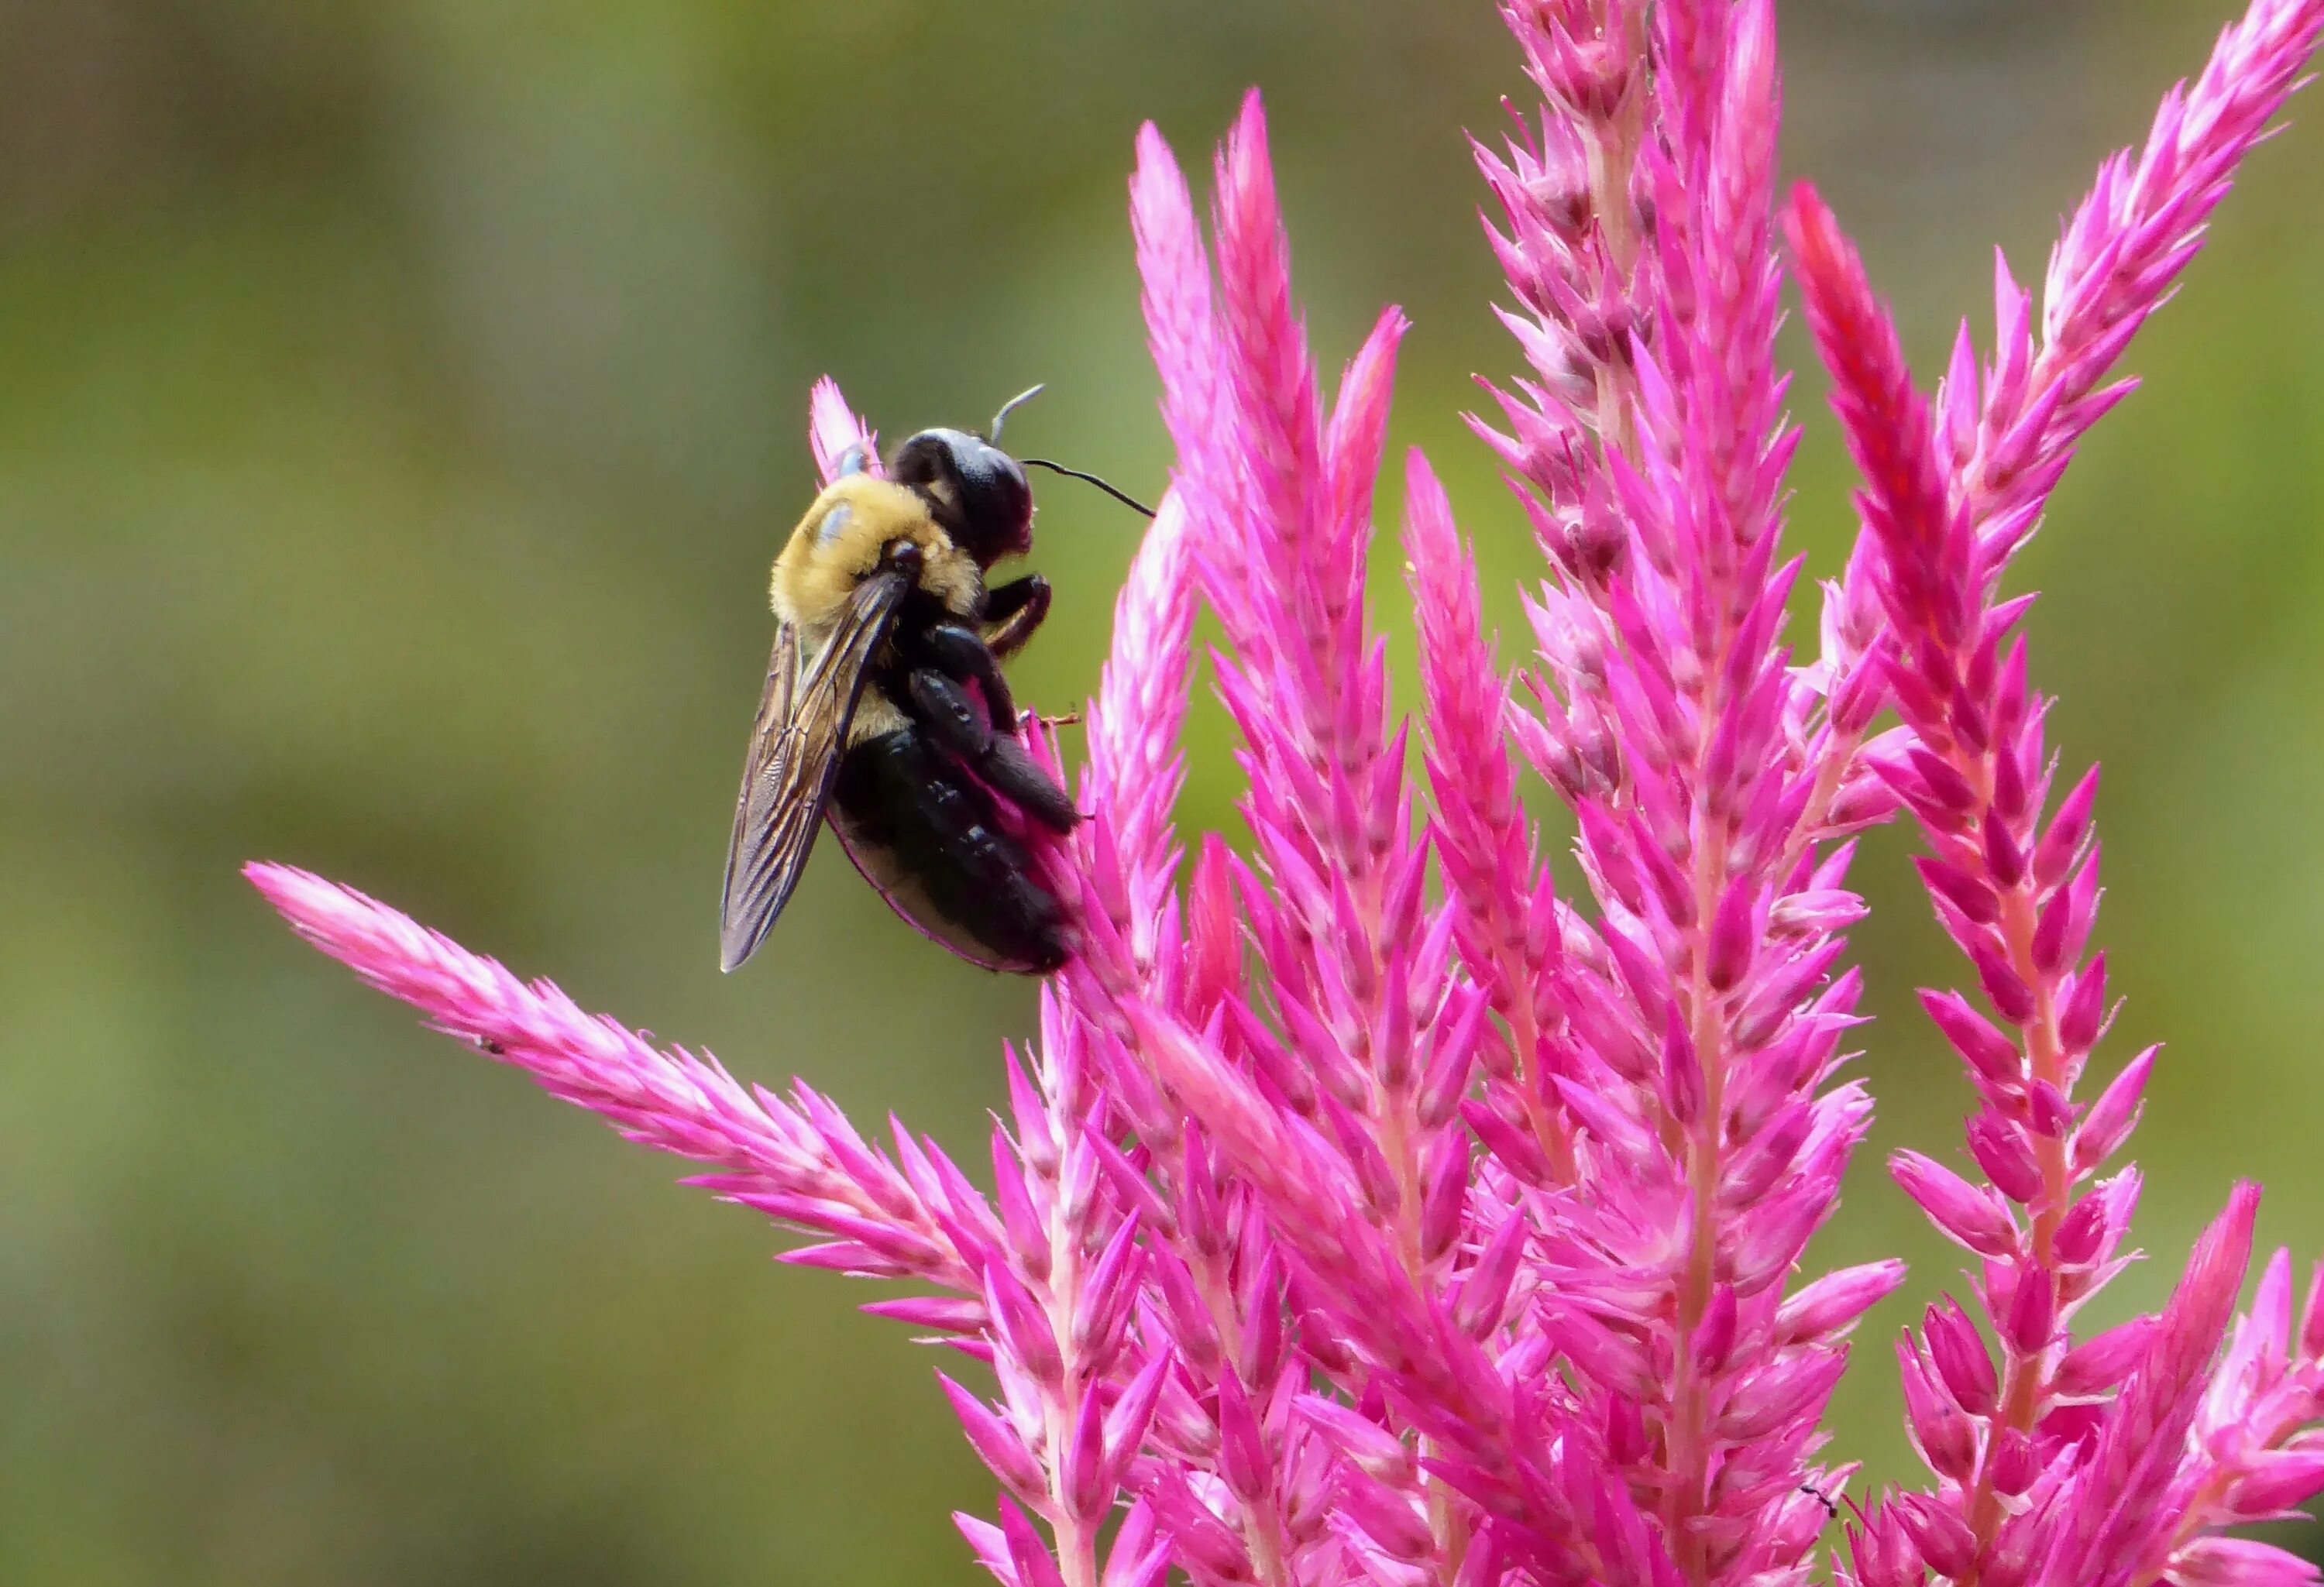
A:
[977, 490]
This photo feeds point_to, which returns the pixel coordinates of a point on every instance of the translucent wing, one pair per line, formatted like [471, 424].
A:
[795, 746]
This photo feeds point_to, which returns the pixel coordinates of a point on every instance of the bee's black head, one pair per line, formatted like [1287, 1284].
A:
[975, 490]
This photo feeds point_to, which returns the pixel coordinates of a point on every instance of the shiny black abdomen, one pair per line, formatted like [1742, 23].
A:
[928, 835]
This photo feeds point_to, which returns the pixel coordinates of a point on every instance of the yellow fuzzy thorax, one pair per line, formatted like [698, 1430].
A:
[826, 558]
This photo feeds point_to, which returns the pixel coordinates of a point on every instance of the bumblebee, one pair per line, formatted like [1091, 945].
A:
[886, 713]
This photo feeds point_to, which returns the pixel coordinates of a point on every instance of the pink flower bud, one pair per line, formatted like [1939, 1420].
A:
[2083, 1018]
[2012, 1465]
[1681, 1075]
[2011, 998]
[1733, 932]
[1444, 1194]
[1085, 1478]
[1960, 1210]
[1714, 1337]
[1243, 1452]
[1830, 1306]
[2005, 1156]
[996, 1443]
[2082, 1232]
[2055, 854]
[1961, 1359]
[2004, 860]
[2031, 1315]
[2101, 1363]
[1958, 888]
[1021, 1327]
[2114, 1115]
[1982, 1047]
[1943, 1435]
[1484, 1293]
[2277, 1483]
[1943, 1538]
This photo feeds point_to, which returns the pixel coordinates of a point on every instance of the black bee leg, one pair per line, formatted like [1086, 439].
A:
[952, 719]
[1012, 611]
[958, 652]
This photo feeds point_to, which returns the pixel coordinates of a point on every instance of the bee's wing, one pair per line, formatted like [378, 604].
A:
[795, 746]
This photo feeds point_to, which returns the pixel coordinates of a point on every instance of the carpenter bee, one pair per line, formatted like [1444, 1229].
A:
[886, 713]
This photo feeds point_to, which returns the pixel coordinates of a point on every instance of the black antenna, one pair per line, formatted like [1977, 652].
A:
[1012, 405]
[1130, 502]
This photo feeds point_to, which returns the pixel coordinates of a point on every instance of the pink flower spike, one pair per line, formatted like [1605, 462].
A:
[2124, 249]
[666, 1098]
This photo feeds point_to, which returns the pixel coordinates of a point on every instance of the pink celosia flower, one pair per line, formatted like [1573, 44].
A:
[1349, 1228]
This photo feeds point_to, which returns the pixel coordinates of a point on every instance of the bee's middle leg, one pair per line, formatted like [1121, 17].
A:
[1012, 611]
[959, 652]
[940, 705]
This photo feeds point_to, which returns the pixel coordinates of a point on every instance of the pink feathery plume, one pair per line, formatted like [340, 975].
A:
[1574, 239]
[2070, 1464]
[1080, 1384]
[2109, 1516]
[1334, 1081]
[2019, 901]
[1704, 1016]
[1505, 907]
[1088, 1368]
[799, 1161]
[2119, 260]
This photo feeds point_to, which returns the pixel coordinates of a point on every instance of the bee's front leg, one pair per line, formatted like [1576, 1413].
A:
[1012, 611]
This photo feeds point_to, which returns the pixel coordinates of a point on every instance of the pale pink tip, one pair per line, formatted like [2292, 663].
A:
[833, 429]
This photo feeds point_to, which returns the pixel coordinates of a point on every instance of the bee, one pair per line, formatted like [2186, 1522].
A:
[886, 713]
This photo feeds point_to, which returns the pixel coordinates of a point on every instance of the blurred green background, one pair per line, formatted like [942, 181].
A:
[400, 404]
